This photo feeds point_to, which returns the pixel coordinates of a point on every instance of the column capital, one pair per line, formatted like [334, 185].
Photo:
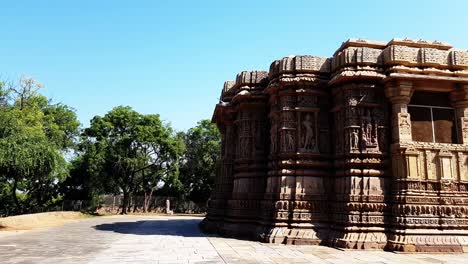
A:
[399, 93]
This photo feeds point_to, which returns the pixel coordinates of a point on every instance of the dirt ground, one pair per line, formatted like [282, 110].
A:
[40, 220]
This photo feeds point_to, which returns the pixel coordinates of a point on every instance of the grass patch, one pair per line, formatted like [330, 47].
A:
[40, 220]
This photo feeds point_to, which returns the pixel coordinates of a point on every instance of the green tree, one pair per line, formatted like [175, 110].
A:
[198, 165]
[135, 151]
[87, 178]
[31, 153]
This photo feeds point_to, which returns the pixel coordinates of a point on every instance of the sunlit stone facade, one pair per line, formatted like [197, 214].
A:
[367, 149]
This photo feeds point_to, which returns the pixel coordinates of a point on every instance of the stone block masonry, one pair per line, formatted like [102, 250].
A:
[367, 149]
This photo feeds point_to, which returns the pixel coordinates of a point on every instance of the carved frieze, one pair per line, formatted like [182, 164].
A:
[434, 57]
[459, 59]
[404, 55]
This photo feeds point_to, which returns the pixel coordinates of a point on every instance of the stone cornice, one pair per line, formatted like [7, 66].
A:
[396, 60]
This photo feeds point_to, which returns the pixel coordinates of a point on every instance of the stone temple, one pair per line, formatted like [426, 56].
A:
[367, 149]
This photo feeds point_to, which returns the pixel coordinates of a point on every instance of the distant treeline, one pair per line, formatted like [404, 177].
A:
[46, 157]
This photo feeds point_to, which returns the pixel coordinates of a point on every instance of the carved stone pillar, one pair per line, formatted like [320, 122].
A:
[459, 99]
[223, 183]
[299, 161]
[400, 95]
[250, 160]
[360, 211]
[224, 116]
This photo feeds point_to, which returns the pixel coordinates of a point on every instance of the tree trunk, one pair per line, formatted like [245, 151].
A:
[148, 200]
[124, 203]
[129, 206]
[135, 205]
[15, 198]
[145, 203]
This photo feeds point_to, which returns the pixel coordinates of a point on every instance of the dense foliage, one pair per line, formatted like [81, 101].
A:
[136, 152]
[46, 158]
[34, 135]
[198, 165]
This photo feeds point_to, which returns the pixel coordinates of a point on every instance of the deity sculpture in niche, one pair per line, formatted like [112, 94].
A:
[308, 133]
[287, 143]
[287, 127]
[465, 129]
[368, 129]
[354, 139]
[290, 141]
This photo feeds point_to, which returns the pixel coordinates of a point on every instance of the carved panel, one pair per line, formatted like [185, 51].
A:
[431, 57]
[244, 139]
[273, 135]
[288, 101]
[306, 101]
[311, 63]
[401, 54]
[459, 58]
[464, 129]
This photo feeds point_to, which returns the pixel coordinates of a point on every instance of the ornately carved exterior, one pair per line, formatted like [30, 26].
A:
[320, 151]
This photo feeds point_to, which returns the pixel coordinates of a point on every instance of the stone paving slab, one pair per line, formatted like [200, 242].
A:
[156, 239]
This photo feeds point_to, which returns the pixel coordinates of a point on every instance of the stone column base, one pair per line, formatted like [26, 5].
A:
[359, 239]
[429, 241]
[318, 235]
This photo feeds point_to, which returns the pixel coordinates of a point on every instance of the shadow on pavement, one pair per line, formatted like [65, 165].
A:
[170, 227]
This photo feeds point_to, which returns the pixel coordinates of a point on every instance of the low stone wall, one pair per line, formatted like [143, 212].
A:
[113, 204]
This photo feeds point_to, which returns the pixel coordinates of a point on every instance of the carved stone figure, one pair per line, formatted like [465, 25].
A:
[354, 139]
[404, 124]
[288, 143]
[309, 133]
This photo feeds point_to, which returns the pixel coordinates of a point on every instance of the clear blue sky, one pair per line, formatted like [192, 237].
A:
[172, 57]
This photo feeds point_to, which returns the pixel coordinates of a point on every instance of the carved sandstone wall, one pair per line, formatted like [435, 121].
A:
[326, 151]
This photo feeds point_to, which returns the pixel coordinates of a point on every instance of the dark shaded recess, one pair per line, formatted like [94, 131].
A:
[421, 124]
[430, 98]
[444, 125]
[440, 125]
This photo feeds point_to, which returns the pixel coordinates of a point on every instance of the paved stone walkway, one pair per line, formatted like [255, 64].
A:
[152, 239]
